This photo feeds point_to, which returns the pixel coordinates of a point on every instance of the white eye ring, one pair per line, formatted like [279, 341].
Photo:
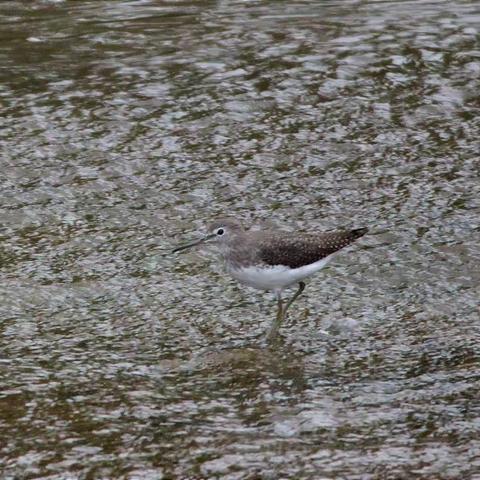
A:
[220, 231]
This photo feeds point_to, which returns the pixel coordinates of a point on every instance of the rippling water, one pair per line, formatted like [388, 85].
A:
[125, 126]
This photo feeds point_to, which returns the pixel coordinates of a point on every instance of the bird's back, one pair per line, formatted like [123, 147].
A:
[296, 250]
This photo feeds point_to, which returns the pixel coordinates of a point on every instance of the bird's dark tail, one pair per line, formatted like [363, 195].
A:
[358, 232]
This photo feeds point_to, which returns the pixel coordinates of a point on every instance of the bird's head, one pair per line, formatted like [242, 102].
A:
[219, 232]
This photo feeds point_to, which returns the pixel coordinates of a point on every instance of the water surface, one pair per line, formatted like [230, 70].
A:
[126, 126]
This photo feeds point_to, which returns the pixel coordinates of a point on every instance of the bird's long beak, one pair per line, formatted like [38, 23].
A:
[192, 244]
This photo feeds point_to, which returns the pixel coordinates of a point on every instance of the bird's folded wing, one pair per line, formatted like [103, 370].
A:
[294, 250]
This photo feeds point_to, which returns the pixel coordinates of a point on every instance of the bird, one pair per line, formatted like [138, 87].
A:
[273, 260]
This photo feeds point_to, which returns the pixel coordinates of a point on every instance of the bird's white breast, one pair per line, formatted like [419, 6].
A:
[277, 277]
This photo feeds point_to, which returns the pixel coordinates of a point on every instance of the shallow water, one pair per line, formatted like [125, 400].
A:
[125, 126]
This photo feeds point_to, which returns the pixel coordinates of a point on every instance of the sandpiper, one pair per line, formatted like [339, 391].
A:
[274, 260]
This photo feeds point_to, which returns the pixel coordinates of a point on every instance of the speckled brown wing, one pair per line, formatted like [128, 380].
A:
[295, 250]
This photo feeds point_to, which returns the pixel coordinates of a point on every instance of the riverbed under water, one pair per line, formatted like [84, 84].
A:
[126, 126]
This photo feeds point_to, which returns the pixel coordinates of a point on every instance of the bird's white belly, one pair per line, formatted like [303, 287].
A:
[277, 277]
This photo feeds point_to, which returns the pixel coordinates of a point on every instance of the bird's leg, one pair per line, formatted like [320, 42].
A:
[279, 319]
[301, 288]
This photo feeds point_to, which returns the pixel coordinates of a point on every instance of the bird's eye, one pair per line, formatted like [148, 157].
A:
[220, 231]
